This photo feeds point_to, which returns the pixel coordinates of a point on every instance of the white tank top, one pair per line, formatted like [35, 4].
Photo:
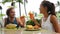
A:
[47, 24]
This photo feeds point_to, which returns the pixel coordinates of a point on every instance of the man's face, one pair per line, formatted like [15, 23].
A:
[12, 13]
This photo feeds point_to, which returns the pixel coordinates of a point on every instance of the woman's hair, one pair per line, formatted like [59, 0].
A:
[50, 7]
[8, 11]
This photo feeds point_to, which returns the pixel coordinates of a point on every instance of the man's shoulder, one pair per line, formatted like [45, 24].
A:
[5, 18]
[17, 18]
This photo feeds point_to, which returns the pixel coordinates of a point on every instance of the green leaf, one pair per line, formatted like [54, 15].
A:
[7, 0]
[21, 1]
[30, 22]
[4, 1]
[2, 14]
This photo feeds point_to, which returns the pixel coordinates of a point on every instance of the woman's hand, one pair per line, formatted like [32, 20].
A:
[57, 33]
[36, 27]
[35, 21]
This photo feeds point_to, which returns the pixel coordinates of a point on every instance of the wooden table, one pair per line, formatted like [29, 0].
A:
[22, 31]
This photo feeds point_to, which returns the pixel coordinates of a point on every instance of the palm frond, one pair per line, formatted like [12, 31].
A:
[4, 1]
[2, 14]
[21, 1]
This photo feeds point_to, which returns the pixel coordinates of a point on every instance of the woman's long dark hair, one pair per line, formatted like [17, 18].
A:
[50, 7]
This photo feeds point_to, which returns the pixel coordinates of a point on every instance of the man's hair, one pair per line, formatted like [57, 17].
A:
[8, 11]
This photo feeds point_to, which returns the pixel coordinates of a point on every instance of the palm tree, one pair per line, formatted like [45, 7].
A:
[44, 0]
[13, 3]
[20, 1]
[4, 1]
[25, 1]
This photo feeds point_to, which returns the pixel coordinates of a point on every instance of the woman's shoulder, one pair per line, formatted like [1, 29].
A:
[5, 19]
[53, 17]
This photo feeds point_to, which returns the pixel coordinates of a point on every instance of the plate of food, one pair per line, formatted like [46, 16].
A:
[32, 28]
[11, 26]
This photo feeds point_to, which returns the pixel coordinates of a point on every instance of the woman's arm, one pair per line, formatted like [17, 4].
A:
[36, 23]
[55, 23]
[20, 22]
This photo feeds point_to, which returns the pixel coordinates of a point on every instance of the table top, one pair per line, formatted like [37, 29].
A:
[23, 31]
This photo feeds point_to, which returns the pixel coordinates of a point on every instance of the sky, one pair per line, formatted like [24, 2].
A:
[32, 5]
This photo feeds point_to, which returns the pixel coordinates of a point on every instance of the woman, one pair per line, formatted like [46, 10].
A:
[12, 19]
[49, 21]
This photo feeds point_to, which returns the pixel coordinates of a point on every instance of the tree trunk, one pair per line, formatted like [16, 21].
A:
[19, 8]
[25, 8]
[44, 0]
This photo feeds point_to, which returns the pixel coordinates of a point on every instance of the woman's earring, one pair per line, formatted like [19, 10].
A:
[49, 12]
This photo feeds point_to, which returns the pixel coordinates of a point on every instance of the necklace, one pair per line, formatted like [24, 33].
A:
[44, 19]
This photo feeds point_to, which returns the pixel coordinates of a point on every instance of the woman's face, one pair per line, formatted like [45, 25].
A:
[42, 9]
[12, 13]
